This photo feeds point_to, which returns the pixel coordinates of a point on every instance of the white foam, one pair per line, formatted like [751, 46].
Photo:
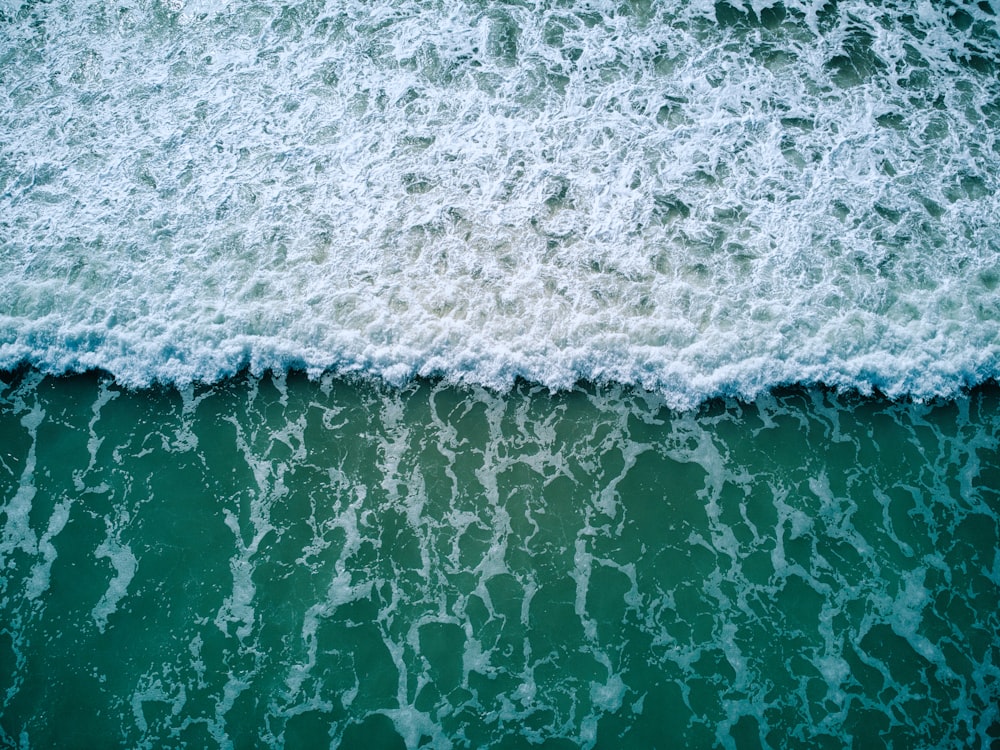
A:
[17, 532]
[125, 564]
[657, 200]
[38, 583]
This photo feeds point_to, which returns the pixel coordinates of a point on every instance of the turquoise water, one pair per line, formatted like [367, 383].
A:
[279, 562]
[467, 374]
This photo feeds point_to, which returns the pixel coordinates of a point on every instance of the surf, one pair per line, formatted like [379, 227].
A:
[701, 201]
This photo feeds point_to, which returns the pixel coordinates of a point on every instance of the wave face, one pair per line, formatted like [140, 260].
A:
[711, 199]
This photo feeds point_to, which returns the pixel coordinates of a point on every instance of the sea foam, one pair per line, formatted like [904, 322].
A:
[708, 200]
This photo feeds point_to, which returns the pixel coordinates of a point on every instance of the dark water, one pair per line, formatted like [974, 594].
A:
[279, 562]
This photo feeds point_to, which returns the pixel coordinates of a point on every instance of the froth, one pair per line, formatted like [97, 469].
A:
[712, 200]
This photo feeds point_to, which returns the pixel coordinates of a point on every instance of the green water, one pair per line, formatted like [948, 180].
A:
[279, 562]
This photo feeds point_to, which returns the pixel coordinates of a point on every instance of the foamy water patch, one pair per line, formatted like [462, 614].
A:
[704, 201]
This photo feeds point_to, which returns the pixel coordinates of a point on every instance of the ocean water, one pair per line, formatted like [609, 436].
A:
[465, 374]
[701, 199]
[276, 562]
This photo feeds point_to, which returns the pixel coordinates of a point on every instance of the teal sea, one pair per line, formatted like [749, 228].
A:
[500, 374]
[275, 562]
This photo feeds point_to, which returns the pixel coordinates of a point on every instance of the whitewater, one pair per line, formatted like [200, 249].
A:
[696, 198]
